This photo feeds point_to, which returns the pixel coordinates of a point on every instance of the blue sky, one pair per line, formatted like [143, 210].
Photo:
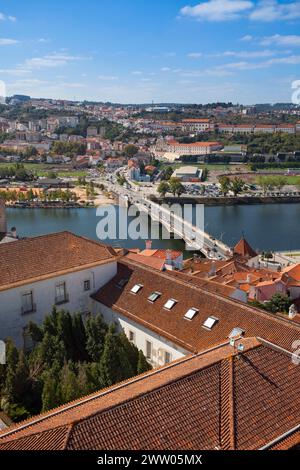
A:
[135, 51]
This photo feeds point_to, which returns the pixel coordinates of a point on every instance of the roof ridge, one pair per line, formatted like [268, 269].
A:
[227, 425]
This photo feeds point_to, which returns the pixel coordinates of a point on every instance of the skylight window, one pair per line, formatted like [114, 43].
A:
[236, 332]
[191, 313]
[136, 288]
[210, 323]
[170, 304]
[154, 297]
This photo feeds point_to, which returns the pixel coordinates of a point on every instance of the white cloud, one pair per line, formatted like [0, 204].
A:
[15, 72]
[249, 54]
[217, 10]
[279, 40]
[4, 17]
[108, 77]
[8, 42]
[247, 38]
[137, 72]
[225, 10]
[272, 10]
[51, 61]
[195, 55]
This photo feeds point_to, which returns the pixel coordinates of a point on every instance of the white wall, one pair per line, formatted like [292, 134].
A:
[142, 334]
[12, 322]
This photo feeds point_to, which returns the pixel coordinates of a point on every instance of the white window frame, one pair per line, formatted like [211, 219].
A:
[149, 356]
[191, 313]
[210, 322]
[27, 307]
[61, 299]
[136, 289]
[170, 304]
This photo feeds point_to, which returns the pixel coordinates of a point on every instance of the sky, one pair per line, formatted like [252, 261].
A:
[139, 51]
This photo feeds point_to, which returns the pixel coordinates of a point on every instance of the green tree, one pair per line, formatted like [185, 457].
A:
[96, 330]
[163, 188]
[225, 184]
[176, 187]
[237, 186]
[130, 150]
[143, 365]
[114, 364]
[279, 303]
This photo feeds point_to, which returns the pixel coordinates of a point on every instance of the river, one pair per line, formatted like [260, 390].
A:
[266, 226]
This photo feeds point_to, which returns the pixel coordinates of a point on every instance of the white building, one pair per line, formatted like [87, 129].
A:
[61, 269]
[188, 173]
[196, 148]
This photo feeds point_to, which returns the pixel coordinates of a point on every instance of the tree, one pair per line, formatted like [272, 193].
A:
[114, 364]
[225, 184]
[176, 187]
[237, 186]
[96, 330]
[279, 303]
[168, 172]
[163, 188]
[130, 150]
[143, 365]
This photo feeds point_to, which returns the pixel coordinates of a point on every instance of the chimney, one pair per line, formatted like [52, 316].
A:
[3, 221]
[292, 311]
[149, 245]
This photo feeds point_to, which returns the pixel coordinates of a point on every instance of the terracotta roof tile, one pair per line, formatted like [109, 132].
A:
[172, 325]
[219, 399]
[33, 258]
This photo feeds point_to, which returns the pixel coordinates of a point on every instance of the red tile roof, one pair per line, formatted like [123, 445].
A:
[218, 399]
[46, 256]
[244, 249]
[173, 326]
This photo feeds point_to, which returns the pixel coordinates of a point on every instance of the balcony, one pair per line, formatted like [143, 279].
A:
[28, 309]
[62, 300]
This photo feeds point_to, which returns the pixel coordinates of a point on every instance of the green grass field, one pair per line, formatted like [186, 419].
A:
[213, 167]
[42, 170]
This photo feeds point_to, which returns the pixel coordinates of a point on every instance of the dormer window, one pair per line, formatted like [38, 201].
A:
[170, 304]
[191, 313]
[136, 289]
[154, 297]
[210, 322]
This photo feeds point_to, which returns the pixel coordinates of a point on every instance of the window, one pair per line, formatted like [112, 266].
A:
[136, 288]
[131, 336]
[210, 323]
[153, 297]
[148, 350]
[61, 296]
[87, 285]
[191, 313]
[27, 303]
[168, 357]
[170, 304]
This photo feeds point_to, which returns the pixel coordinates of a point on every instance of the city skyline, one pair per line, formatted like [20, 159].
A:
[190, 52]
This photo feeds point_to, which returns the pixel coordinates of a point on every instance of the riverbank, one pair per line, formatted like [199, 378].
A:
[228, 201]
